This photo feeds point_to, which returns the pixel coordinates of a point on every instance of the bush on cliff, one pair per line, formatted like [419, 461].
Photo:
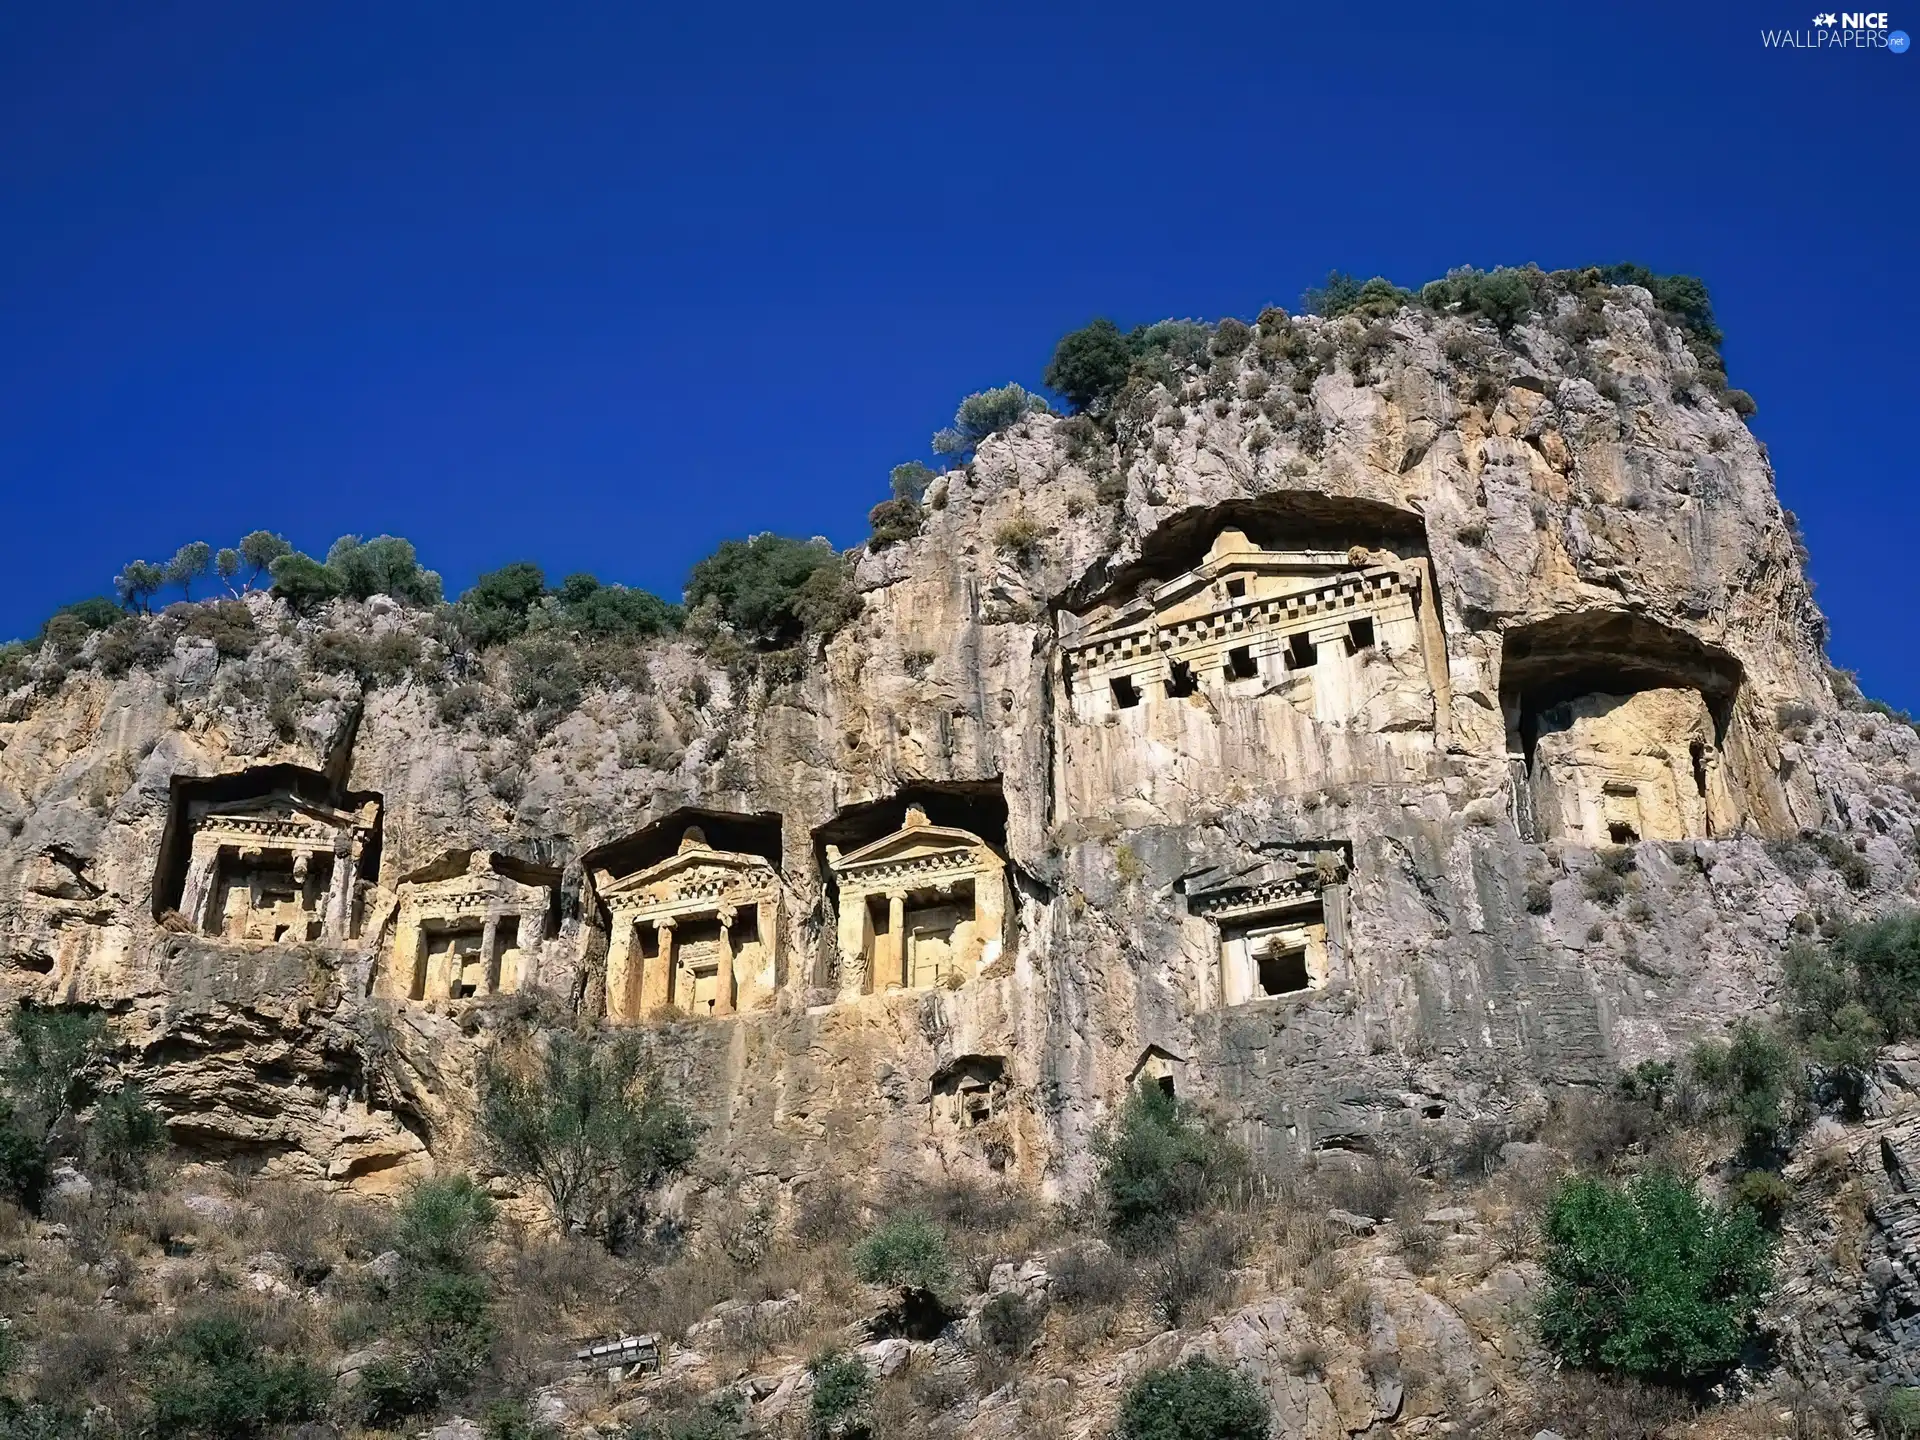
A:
[1200, 1400]
[1755, 1081]
[761, 588]
[589, 1123]
[1649, 1280]
[1158, 1163]
[985, 413]
[213, 1377]
[1089, 365]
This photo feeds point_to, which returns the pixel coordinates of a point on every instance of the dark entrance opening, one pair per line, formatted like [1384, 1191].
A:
[1283, 972]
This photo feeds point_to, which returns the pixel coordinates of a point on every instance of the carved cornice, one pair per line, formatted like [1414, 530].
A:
[1246, 901]
[1143, 646]
[884, 874]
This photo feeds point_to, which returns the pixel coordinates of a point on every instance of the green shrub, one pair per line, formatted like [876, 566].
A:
[1090, 366]
[228, 624]
[1343, 295]
[46, 1077]
[842, 1397]
[125, 1135]
[985, 413]
[614, 612]
[1167, 349]
[1898, 1413]
[442, 1223]
[385, 565]
[303, 582]
[909, 1252]
[1647, 1279]
[827, 600]
[910, 481]
[1158, 1163]
[96, 612]
[496, 608]
[25, 1163]
[1231, 336]
[544, 678]
[1884, 957]
[1504, 296]
[213, 1378]
[1754, 1080]
[510, 1420]
[1763, 1192]
[1741, 403]
[722, 1418]
[1200, 1400]
[893, 521]
[590, 1125]
[756, 585]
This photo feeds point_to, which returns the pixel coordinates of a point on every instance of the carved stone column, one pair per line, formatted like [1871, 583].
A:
[404, 979]
[196, 896]
[854, 960]
[656, 979]
[339, 916]
[895, 970]
[621, 991]
[490, 955]
[723, 971]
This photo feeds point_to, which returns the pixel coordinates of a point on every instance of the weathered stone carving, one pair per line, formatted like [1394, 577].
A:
[275, 869]
[698, 932]
[473, 932]
[1248, 621]
[1257, 670]
[1619, 769]
[923, 906]
[970, 1090]
[1619, 730]
[1278, 930]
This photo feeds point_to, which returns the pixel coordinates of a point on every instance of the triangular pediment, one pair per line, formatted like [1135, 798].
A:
[914, 842]
[693, 867]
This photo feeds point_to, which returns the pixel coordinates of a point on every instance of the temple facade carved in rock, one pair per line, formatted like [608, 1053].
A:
[923, 906]
[471, 932]
[699, 933]
[1293, 668]
[275, 869]
[1277, 930]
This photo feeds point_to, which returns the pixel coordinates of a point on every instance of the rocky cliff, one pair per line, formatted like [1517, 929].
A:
[1380, 726]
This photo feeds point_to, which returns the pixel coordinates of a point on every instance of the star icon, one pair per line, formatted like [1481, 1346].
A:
[1829, 18]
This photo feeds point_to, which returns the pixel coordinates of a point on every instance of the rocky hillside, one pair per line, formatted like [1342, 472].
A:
[1370, 727]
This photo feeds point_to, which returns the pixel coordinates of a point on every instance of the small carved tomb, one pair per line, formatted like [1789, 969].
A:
[971, 1090]
[275, 869]
[1248, 621]
[469, 933]
[923, 906]
[697, 932]
[1619, 769]
[1277, 932]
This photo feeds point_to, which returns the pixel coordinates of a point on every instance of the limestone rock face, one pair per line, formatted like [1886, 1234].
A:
[1290, 726]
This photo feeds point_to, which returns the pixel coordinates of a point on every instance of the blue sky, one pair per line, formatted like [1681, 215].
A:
[602, 285]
